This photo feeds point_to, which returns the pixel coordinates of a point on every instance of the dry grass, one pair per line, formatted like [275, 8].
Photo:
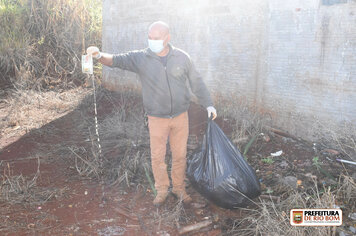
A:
[129, 169]
[41, 41]
[270, 218]
[123, 138]
[346, 193]
[24, 110]
[16, 189]
[246, 121]
[341, 137]
[125, 169]
[170, 217]
[118, 133]
[87, 164]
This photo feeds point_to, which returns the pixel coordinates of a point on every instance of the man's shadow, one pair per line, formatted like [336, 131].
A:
[72, 128]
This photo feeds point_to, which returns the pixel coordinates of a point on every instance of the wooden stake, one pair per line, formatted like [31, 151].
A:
[194, 227]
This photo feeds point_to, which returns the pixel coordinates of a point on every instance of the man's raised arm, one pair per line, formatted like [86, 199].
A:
[126, 61]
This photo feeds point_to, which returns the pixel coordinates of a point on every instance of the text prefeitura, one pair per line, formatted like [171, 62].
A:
[321, 213]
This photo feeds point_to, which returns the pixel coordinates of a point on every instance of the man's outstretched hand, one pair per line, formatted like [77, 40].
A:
[94, 51]
[211, 111]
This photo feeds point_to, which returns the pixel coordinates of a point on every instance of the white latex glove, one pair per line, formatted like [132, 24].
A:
[94, 51]
[211, 110]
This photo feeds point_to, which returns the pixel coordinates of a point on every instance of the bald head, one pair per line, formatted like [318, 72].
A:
[160, 27]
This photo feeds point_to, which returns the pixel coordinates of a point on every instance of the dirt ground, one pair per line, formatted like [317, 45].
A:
[71, 204]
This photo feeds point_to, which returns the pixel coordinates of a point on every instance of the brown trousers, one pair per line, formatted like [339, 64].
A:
[177, 130]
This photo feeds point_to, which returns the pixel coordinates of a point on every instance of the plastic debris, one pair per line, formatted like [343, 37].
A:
[352, 216]
[346, 161]
[220, 173]
[277, 154]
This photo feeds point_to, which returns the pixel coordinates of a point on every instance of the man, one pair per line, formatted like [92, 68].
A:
[164, 72]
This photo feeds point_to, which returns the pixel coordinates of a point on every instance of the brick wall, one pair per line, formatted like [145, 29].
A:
[294, 59]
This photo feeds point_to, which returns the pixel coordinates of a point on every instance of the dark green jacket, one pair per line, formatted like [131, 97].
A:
[165, 89]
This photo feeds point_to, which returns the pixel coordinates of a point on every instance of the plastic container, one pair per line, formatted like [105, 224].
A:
[87, 64]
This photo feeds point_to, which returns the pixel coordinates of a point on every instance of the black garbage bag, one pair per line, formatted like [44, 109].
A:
[220, 173]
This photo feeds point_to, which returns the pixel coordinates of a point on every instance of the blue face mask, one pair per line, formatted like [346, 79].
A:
[156, 46]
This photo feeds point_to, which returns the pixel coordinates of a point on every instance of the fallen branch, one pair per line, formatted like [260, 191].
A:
[282, 133]
[194, 227]
[287, 135]
[125, 213]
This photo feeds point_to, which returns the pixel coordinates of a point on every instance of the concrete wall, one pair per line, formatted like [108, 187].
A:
[294, 59]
